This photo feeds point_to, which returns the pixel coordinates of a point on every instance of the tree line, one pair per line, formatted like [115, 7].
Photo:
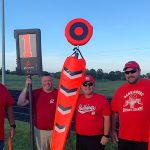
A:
[98, 74]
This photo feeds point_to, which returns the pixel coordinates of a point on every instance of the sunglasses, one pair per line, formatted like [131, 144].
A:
[87, 84]
[131, 71]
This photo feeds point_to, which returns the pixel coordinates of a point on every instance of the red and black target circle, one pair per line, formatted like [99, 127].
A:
[78, 31]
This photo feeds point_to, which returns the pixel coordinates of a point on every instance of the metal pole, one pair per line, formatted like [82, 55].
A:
[3, 44]
[31, 116]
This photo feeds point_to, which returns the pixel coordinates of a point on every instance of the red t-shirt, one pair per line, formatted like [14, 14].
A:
[44, 105]
[132, 102]
[6, 100]
[89, 114]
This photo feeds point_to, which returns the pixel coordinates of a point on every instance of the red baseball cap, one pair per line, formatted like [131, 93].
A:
[131, 64]
[88, 78]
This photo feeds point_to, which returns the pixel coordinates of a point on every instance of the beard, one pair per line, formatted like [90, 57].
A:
[132, 80]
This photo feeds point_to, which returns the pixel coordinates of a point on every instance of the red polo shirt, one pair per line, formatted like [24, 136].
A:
[90, 112]
[132, 102]
[6, 100]
[44, 105]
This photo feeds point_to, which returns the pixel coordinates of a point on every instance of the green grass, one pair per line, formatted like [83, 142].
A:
[18, 82]
[21, 140]
[107, 88]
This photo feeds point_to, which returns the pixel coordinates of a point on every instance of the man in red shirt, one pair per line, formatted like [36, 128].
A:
[131, 103]
[44, 105]
[92, 118]
[6, 102]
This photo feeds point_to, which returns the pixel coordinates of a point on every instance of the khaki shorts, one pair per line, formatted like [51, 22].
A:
[42, 138]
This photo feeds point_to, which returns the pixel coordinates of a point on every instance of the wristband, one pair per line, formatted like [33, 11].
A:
[107, 136]
[13, 126]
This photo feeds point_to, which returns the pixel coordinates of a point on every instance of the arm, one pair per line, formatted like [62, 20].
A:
[10, 116]
[22, 100]
[105, 138]
[115, 117]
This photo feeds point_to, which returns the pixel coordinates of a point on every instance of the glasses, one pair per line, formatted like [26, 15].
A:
[87, 84]
[131, 71]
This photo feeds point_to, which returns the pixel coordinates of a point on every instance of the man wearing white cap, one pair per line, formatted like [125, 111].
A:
[92, 118]
[131, 103]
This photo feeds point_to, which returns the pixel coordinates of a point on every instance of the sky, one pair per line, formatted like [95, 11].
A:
[121, 31]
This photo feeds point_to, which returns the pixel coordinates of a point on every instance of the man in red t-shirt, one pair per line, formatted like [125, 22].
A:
[92, 118]
[6, 102]
[44, 105]
[131, 103]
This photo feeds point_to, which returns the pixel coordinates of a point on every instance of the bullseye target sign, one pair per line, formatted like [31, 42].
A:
[78, 31]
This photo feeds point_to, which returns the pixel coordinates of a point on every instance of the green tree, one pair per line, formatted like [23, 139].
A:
[118, 75]
[57, 75]
[148, 75]
[7, 71]
[105, 76]
[112, 76]
[99, 74]
[1, 71]
[87, 71]
[93, 73]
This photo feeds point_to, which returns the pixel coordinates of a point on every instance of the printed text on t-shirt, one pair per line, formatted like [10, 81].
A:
[86, 108]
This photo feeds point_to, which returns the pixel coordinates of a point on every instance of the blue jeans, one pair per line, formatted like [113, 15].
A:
[1, 144]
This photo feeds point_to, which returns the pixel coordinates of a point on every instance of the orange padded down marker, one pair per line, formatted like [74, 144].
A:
[149, 139]
[69, 88]
[9, 143]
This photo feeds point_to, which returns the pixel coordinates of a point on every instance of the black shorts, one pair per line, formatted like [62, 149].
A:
[89, 142]
[132, 145]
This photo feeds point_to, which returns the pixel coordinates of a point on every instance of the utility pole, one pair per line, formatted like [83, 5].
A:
[3, 43]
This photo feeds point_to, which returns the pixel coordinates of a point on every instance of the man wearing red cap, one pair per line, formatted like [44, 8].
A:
[131, 103]
[92, 118]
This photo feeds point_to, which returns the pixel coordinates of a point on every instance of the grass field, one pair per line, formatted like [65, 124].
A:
[17, 82]
[22, 138]
[21, 141]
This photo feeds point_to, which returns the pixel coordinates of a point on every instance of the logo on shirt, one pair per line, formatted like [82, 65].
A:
[133, 101]
[86, 109]
[51, 101]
